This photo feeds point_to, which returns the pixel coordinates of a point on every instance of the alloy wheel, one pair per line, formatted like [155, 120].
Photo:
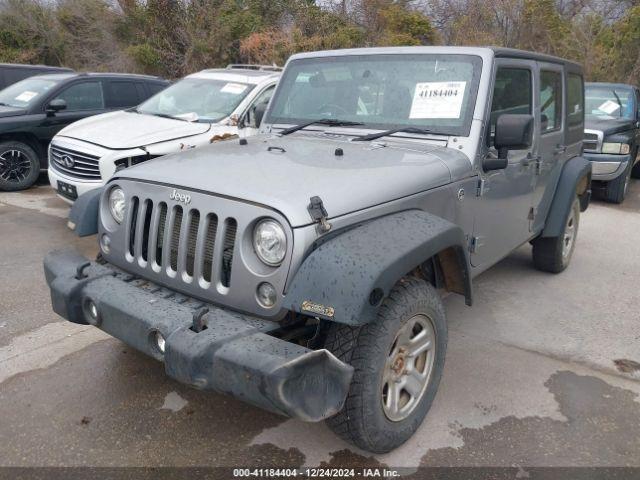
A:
[408, 368]
[14, 166]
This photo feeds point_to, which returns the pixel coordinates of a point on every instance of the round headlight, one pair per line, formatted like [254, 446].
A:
[117, 204]
[270, 242]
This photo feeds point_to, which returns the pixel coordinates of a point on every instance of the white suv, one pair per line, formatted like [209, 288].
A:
[200, 109]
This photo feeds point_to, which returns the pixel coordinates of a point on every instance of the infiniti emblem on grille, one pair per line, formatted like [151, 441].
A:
[180, 197]
[68, 161]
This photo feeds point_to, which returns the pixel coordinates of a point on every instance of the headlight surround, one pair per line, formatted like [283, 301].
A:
[117, 204]
[616, 148]
[270, 242]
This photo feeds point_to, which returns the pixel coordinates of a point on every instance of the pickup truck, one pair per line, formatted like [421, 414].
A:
[612, 137]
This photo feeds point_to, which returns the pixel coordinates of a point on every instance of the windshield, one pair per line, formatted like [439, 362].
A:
[200, 99]
[610, 102]
[26, 92]
[435, 92]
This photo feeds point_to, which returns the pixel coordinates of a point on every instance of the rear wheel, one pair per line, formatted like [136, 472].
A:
[19, 166]
[398, 361]
[553, 254]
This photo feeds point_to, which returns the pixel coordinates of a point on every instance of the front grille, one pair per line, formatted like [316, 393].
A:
[591, 142]
[182, 242]
[82, 166]
[202, 249]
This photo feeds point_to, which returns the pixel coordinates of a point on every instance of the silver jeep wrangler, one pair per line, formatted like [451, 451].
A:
[303, 270]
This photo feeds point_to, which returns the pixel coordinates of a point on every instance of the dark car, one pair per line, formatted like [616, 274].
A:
[612, 137]
[11, 73]
[33, 110]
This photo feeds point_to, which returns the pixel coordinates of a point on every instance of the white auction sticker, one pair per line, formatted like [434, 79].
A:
[437, 100]
[609, 107]
[26, 96]
[234, 88]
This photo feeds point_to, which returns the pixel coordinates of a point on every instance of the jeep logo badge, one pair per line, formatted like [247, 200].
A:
[180, 197]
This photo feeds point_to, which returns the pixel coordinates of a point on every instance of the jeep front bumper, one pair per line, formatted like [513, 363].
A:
[234, 354]
[605, 167]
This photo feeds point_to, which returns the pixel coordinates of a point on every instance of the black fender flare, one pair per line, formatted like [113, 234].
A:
[575, 179]
[83, 216]
[347, 276]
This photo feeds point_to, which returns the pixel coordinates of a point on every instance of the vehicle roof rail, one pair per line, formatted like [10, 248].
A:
[250, 66]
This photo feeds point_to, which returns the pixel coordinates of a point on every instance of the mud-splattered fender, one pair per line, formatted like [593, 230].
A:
[575, 179]
[83, 216]
[346, 277]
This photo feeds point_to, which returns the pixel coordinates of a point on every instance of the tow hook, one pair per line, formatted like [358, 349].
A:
[199, 320]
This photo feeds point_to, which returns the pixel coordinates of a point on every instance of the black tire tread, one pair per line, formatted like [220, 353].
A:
[614, 189]
[35, 172]
[342, 341]
[547, 252]
[635, 171]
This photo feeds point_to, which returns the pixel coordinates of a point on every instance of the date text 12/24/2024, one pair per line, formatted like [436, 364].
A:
[315, 473]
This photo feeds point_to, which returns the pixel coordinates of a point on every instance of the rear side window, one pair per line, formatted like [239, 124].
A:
[122, 94]
[512, 93]
[550, 100]
[575, 100]
[13, 75]
[83, 96]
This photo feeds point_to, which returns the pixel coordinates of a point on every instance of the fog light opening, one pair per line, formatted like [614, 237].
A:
[266, 295]
[105, 243]
[159, 341]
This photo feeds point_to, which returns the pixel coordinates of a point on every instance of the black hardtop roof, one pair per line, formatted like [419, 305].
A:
[503, 52]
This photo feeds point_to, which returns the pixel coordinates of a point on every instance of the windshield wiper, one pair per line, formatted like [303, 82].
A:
[332, 122]
[618, 100]
[373, 136]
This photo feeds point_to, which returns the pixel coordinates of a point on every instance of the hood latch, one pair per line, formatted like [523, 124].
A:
[319, 214]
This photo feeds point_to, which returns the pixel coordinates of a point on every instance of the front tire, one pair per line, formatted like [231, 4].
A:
[553, 254]
[616, 189]
[19, 166]
[398, 361]
[635, 171]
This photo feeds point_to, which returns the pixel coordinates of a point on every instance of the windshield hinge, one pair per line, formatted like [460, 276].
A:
[319, 214]
[480, 188]
[475, 244]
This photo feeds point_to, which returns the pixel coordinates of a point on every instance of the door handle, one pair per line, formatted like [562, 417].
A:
[559, 149]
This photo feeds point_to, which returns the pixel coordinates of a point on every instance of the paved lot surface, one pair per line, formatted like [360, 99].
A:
[530, 378]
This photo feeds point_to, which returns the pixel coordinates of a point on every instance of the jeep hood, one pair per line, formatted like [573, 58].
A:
[284, 172]
[608, 125]
[124, 130]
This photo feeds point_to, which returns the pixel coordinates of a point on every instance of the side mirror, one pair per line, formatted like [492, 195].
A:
[56, 105]
[258, 113]
[513, 132]
[489, 164]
